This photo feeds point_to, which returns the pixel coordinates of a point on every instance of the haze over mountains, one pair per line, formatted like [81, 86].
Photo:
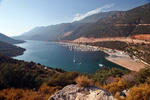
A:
[7, 39]
[104, 24]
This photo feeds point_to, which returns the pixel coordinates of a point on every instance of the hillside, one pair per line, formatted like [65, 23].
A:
[7, 39]
[57, 32]
[101, 25]
[10, 50]
[121, 24]
[21, 80]
[95, 17]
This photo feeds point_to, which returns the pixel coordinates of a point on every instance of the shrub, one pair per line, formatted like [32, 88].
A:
[115, 87]
[141, 92]
[15, 76]
[142, 75]
[83, 81]
[63, 79]
[43, 93]
[103, 74]
[129, 80]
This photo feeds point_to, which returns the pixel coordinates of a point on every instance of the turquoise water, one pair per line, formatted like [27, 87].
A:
[56, 56]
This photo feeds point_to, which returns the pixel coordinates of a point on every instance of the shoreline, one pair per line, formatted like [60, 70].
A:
[115, 56]
[124, 60]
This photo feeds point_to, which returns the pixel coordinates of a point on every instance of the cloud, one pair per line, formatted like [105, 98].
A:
[79, 16]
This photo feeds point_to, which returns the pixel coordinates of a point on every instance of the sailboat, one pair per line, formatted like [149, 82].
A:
[74, 60]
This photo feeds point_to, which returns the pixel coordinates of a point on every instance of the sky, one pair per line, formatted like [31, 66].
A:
[19, 16]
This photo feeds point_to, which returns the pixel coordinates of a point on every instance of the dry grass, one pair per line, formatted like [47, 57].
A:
[43, 93]
[84, 81]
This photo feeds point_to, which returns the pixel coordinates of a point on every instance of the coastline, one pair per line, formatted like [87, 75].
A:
[115, 56]
[124, 60]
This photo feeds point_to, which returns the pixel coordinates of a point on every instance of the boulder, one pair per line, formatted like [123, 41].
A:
[75, 92]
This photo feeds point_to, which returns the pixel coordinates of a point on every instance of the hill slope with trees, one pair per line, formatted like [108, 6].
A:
[10, 50]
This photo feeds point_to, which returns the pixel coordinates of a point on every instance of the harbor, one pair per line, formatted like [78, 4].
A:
[79, 47]
[115, 56]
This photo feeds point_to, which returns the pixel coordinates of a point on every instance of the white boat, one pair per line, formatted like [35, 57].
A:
[100, 65]
[74, 60]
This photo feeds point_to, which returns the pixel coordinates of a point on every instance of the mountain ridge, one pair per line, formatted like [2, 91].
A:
[123, 24]
[56, 32]
[101, 25]
[7, 39]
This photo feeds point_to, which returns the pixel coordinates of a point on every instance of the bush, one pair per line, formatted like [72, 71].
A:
[142, 75]
[15, 76]
[43, 93]
[103, 74]
[115, 87]
[129, 80]
[84, 81]
[63, 79]
[141, 92]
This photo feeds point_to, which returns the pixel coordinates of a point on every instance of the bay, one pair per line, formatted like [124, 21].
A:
[56, 56]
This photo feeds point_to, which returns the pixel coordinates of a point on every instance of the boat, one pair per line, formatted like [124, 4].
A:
[100, 65]
[74, 60]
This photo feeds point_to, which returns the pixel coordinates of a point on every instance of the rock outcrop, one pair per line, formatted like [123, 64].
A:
[74, 92]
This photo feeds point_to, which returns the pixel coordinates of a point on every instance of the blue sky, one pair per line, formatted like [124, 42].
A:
[19, 16]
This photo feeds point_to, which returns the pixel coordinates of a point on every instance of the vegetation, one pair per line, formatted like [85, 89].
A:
[111, 44]
[102, 75]
[26, 94]
[18, 74]
[21, 80]
[10, 50]
[63, 79]
[141, 51]
[140, 92]
[83, 81]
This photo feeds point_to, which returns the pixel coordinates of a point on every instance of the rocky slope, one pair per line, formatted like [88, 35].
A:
[74, 92]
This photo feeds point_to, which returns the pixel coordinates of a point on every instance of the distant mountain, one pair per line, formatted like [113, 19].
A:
[48, 33]
[7, 39]
[104, 24]
[120, 24]
[10, 50]
[57, 32]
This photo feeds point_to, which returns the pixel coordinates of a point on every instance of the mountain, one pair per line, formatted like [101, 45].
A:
[10, 50]
[7, 39]
[120, 24]
[95, 17]
[104, 24]
[48, 33]
[57, 32]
